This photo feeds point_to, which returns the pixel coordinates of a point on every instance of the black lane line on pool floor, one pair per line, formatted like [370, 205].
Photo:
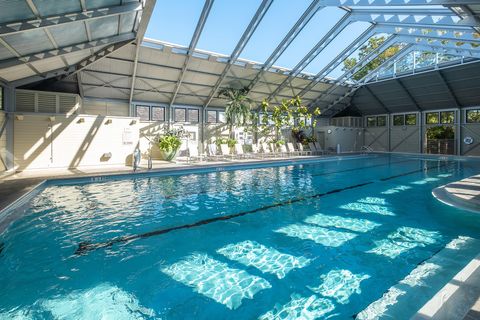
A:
[85, 247]
[312, 175]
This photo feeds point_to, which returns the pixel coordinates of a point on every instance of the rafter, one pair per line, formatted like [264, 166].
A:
[191, 48]
[252, 26]
[65, 19]
[359, 3]
[313, 53]
[312, 9]
[377, 99]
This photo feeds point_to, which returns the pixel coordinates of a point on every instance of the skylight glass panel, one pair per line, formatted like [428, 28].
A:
[320, 24]
[342, 41]
[280, 18]
[174, 21]
[226, 24]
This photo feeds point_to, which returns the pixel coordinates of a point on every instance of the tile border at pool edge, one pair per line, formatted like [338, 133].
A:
[5, 213]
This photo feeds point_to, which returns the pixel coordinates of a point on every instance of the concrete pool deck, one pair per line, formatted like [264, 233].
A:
[464, 194]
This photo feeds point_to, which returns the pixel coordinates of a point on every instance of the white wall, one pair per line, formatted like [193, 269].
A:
[72, 141]
[350, 139]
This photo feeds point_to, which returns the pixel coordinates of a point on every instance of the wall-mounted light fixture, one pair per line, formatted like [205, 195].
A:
[19, 117]
[329, 131]
[81, 120]
[108, 121]
[133, 122]
[52, 118]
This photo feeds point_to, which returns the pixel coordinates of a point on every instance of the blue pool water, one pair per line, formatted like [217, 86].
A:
[340, 239]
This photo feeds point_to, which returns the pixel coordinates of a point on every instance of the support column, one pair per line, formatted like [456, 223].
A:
[9, 100]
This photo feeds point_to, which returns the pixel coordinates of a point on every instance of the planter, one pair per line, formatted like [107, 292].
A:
[170, 155]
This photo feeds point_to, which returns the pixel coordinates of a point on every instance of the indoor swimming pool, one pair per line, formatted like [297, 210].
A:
[360, 237]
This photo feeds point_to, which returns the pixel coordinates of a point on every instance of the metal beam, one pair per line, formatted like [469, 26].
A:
[377, 99]
[448, 89]
[399, 3]
[65, 72]
[65, 19]
[412, 99]
[432, 33]
[191, 48]
[134, 73]
[80, 84]
[252, 26]
[428, 17]
[354, 46]
[314, 52]
[65, 50]
[287, 40]
[145, 19]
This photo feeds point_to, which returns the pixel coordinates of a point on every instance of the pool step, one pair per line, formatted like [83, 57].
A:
[412, 292]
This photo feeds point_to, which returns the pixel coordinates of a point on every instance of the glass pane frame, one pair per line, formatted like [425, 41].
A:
[432, 118]
[180, 115]
[142, 112]
[398, 120]
[411, 119]
[381, 121]
[371, 122]
[193, 115]
[447, 117]
[472, 116]
[157, 113]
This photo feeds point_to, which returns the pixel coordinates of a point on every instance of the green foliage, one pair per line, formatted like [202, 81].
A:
[169, 142]
[231, 143]
[372, 44]
[237, 111]
[441, 132]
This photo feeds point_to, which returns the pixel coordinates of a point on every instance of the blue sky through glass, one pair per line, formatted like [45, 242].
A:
[175, 21]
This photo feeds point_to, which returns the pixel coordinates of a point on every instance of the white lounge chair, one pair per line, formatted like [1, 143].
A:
[283, 150]
[212, 152]
[239, 151]
[319, 148]
[194, 155]
[302, 150]
[225, 151]
[313, 148]
[291, 149]
[266, 150]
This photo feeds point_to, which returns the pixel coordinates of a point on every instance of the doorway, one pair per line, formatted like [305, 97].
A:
[440, 133]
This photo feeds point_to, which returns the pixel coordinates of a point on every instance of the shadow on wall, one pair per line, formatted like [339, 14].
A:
[148, 133]
[87, 141]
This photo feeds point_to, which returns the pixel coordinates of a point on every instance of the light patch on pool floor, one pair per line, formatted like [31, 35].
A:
[404, 239]
[340, 285]
[377, 308]
[416, 277]
[358, 225]
[459, 243]
[323, 236]
[267, 260]
[445, 175]
[104, 301]
[367, 208]
[300, 307]
[374, 200]
[424, 181]
[396, 189]
[216, 280]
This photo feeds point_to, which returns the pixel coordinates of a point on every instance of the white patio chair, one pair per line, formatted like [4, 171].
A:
[302, 150]
[225, 151]
[291, 149]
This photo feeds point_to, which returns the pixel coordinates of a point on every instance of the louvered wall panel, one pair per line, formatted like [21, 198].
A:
[47, 102]
[25, 101]
[67, 104]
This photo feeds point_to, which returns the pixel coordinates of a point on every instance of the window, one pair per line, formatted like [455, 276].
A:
[399, 120]
[180, 115]
[371, 121]
[221, 117]
[193, 115]
[473, 116]
[432, 118]
[381, 121]
[411, 119]
[211, 116]
[447, 117]
[158, 113]
[143, 112]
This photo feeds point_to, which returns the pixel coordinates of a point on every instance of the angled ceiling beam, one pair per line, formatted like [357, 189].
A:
[448, 88]
[314, 52]
[142, 28]
[65, 72]
[409, 95]
[252, 26]
[359, 3]
[432, 33]
[65, 19]
[377, 99]
[64, 50]
[287, 40]
[191, 48]
[331, 109]
[354, 46]
[430, 17]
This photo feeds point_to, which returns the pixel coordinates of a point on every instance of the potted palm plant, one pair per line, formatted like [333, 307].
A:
[237, 111]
